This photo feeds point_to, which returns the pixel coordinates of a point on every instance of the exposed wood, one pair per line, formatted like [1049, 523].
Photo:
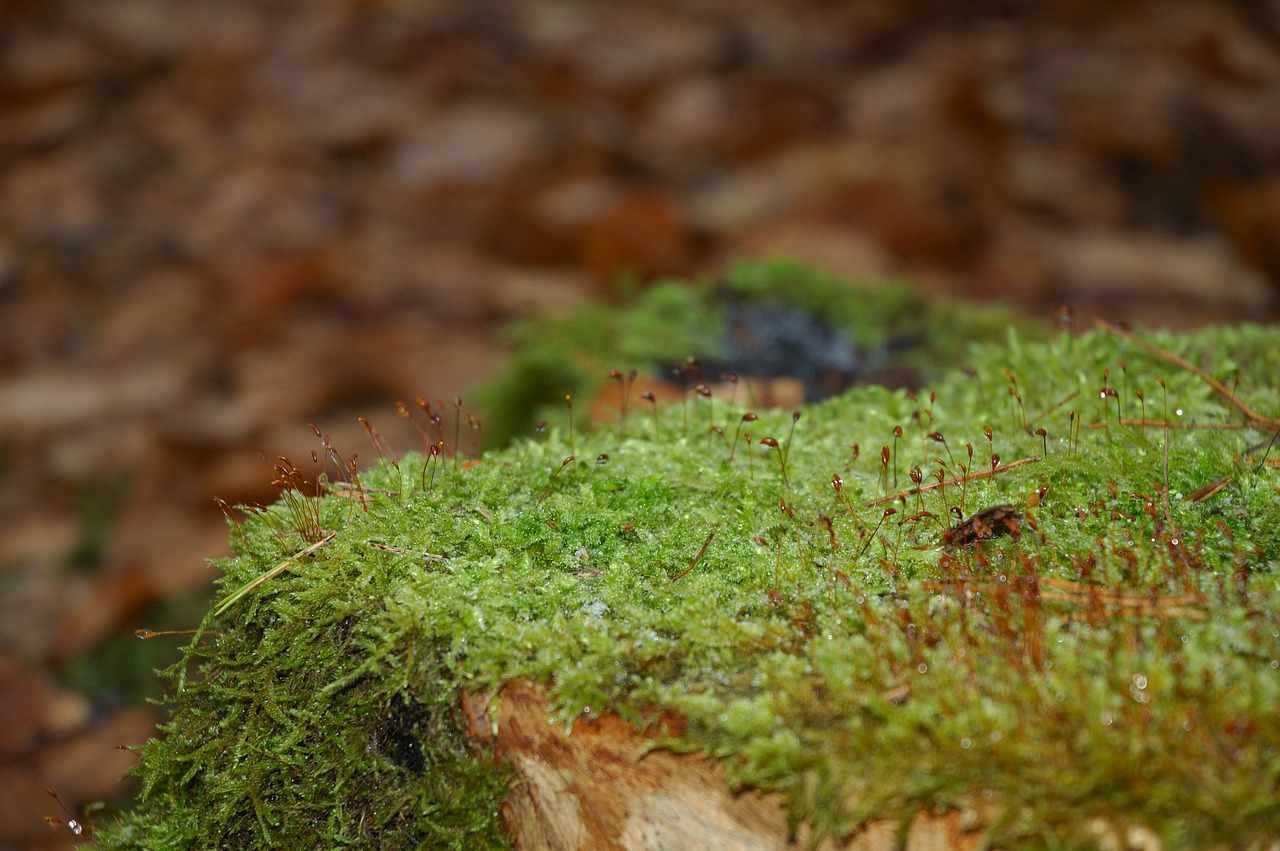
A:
[604, 786]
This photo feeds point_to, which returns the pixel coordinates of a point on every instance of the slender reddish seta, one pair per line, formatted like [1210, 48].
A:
[795, 418]
[457, 429]
[732, 379]
[624, 393]
[782, 462]
[897, 433]
[551, 481]
[71, 823]
[936, 437]
[652, 400]
[748, 417]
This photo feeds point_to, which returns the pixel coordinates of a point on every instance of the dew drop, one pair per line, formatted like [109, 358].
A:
[1140, 681]
[922, 668]
[965, 743]
[1107, 718]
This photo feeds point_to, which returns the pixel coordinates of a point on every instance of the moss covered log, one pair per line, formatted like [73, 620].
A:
[1041, 590]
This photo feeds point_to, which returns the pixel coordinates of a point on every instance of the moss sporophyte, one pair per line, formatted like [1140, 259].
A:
[1050, 592]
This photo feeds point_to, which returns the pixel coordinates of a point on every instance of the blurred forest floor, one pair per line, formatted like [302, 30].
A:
[222, 220]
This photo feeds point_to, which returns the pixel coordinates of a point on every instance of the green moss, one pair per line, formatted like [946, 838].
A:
[1116, 659]
[888, 323]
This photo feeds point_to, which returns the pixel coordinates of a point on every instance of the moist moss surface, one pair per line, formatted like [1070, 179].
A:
[1115, 657]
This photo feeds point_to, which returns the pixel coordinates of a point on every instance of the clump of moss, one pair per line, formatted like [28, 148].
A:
[1114, 655]
[863, 331]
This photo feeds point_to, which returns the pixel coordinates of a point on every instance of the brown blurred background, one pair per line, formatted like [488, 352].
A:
[222, 219]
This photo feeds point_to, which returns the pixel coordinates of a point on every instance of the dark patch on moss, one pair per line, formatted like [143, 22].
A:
[399, 735]
[762, 320]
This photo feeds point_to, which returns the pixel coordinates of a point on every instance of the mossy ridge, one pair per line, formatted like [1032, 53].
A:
[859, 681]
[888, 323]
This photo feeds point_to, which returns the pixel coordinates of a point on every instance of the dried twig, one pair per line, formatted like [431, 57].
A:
[961, 480]
[279, 568]
[696, 558]
[1179, 361]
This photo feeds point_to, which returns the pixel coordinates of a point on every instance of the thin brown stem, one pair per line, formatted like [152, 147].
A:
[1178, 360]
[961, 480]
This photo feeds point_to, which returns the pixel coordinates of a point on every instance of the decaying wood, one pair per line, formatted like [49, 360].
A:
[604, 785]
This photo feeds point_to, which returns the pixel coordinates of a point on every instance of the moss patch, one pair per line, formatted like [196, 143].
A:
[1118, 656]
[874, 331]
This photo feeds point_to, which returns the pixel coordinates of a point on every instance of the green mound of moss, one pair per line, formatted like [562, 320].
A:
[803, 597]
[892, 332]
